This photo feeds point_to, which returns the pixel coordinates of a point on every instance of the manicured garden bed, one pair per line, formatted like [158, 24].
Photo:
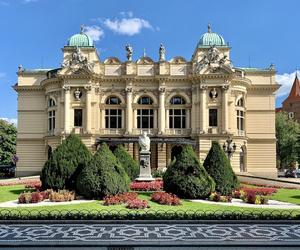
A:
[187, 210]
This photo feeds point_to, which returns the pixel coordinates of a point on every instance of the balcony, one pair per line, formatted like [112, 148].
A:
[241, 133]
[150, 131]
[176, 131]
[213, 130]
[112, 131]
[77, 130]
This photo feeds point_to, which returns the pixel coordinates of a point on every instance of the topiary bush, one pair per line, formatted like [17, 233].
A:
[128, 163]
[102, 176]
[187, 178]
[218, 167]
[61, 170]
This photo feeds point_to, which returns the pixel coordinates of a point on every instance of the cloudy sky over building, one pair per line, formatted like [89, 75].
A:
[34, 31]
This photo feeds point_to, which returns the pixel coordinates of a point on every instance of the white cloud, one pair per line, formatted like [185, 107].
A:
[2, 74]
[286, 81]
[127, 26]
[126, 13]
[10, 120]
[95, 32]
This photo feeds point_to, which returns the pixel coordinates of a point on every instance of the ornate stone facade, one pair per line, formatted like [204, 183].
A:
[175, 101]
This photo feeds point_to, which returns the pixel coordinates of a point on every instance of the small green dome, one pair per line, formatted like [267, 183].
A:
[81, 40]
[210, 38]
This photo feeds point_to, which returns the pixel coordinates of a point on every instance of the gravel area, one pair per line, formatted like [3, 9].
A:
[15, 203]
[239, 203]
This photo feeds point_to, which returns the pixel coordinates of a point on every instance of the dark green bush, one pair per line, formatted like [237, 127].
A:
[102, 176]
[130, 166]
[61, 170]
[218, 167]
[187, 178]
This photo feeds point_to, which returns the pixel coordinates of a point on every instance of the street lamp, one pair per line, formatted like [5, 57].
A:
[229, 147]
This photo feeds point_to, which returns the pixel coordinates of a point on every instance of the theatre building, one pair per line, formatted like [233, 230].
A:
[177, 101]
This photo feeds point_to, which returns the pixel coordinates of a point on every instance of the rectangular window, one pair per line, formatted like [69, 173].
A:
[51, 120]
[113, 118]
[145, 118]
[213, 117]
[77, 117]
[240, 115]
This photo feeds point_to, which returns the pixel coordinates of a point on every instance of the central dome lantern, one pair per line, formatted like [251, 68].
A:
[81, 39]
[210, 38]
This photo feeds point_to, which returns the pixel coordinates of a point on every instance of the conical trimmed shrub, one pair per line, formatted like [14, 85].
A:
[102, 176]
[187, 178]
[128, 163]
[61, 170]
[218, 167]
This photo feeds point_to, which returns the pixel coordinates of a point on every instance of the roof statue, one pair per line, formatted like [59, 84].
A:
[209, 28]
[162, 52]
[81, 29]
[129, 51]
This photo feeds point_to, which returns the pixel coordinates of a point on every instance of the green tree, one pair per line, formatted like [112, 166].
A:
[129, 164]
[287, 147]
[218, 167]
[102, 176]
[8, 138]
[187, 178]
[65, 163]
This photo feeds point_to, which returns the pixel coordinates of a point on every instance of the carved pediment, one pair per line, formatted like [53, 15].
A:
[145, 60]
[178, 60]
[78, 63]
[112, 60]
[215, 69]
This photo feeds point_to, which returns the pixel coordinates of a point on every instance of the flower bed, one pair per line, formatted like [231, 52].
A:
[156, 185]
[27, 182]
[165, 199]
[252, 198]
[62, 195]
[34, 185]
[268, 185]
[260, 190]
[219, 198]
[119, 198]
[130, 199]
[33, 197]
[254, 195]
[137, 204]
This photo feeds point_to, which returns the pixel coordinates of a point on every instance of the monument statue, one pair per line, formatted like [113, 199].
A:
[162, 52]
[144, 141]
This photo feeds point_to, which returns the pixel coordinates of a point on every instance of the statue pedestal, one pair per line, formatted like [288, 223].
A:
[145, 167]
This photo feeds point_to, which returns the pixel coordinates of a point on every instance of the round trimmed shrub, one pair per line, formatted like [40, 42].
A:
[102, 176]
[187, 178]
[61, 170]
[218, 167]
[130, 166]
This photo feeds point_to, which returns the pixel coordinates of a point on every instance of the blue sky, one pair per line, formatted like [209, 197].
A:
[33, 32]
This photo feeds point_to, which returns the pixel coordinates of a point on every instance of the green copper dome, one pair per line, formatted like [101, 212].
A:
[210, 38]
[81, 40]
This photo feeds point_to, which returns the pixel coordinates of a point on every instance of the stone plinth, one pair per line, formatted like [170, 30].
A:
[145, 167]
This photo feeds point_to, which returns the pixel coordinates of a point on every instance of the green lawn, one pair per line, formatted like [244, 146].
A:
[12, 192]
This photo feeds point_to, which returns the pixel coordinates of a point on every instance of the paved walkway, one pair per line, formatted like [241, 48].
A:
[147, 234]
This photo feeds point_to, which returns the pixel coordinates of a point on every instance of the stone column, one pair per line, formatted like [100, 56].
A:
[225, 109]
[88, 108]
[167, 118]
[67, 90]
[128, 109]
[193, 120]
[161, 110]
[203, 109]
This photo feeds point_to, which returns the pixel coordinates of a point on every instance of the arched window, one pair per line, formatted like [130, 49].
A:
[51, 115]
[240, 116]
[145, 113]
[113, 113]
[177, 114]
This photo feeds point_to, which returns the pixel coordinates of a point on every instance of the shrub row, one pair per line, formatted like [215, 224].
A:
[259, 191]
[110, 214]
[163, 198]
[156, 185]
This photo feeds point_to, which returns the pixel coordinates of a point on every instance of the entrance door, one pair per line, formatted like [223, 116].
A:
[176, 150]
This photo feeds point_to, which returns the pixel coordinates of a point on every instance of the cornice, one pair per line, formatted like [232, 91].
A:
[272, 87]
[28, 88]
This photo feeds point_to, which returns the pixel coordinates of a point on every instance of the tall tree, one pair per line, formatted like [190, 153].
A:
[8, 138]
[287, 131]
